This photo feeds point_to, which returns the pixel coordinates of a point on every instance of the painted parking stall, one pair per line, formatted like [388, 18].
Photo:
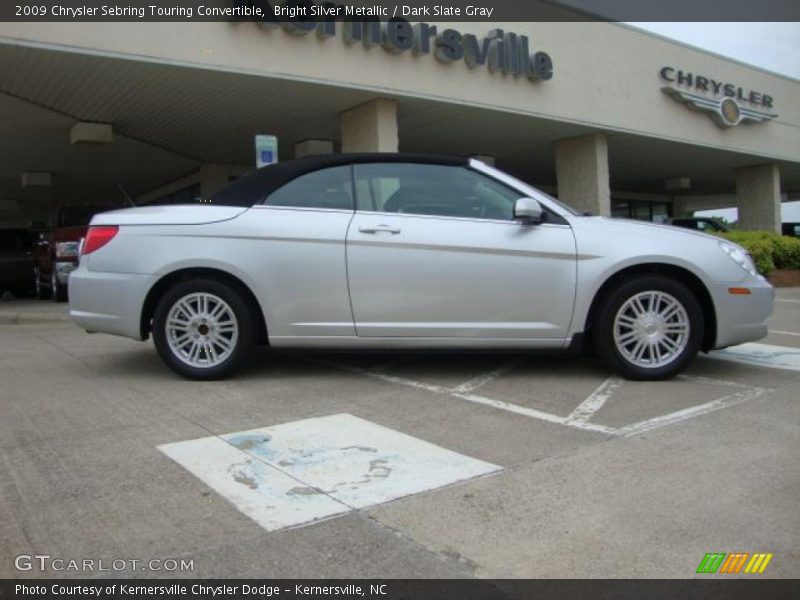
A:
[309, 470]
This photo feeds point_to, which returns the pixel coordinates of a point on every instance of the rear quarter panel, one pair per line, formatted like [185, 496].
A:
[292, 260]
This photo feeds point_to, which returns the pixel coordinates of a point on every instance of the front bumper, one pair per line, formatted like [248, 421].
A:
[108, 302]
[742, 317]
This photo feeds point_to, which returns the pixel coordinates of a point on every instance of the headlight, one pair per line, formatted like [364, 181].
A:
[740, 257]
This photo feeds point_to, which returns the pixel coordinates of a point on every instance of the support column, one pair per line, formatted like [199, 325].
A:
[758, 197]
[582, 173]
[680, 208]
[370, 127]
[312, 148]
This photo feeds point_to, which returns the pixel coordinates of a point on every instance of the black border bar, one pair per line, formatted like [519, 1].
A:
[486, 11]
[729, 588]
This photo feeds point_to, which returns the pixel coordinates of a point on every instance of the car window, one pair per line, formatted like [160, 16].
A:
[326, 188]
[440, 190]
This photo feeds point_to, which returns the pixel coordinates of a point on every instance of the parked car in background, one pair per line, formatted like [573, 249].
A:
[56, 251]
[388, 251]
[792, 229]
[16, 261]
[698, 223]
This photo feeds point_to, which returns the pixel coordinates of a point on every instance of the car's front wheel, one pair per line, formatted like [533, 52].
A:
[204, 329]
[649, 328]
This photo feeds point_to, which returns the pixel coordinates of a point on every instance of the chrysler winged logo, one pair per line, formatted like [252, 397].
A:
[728, 104]
[725, 111]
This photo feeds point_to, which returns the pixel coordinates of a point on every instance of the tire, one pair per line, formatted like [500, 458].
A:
[645, 344]
[214, 347]
[41, 292]
[58, 291]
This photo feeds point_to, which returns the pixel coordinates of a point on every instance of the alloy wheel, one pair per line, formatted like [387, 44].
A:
[651, 329]
[201, 330]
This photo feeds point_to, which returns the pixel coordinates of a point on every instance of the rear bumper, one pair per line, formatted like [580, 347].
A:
[107, 302]
[742, 318]
[63, 270]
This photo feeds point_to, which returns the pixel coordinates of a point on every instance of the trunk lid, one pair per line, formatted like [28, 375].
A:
[189, 214]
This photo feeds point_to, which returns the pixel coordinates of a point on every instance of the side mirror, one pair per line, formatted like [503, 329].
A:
[528, 210]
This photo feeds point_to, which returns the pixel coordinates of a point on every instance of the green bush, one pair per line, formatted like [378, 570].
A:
[769, 250]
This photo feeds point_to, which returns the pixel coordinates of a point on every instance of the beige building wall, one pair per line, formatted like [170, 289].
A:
[606, 74]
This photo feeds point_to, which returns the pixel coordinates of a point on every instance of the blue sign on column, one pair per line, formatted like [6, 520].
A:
[266, 150]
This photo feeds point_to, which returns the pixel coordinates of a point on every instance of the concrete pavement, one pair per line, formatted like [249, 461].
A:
[81, 475]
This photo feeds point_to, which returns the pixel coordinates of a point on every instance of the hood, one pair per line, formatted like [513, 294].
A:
[631, 226]
[188, 214]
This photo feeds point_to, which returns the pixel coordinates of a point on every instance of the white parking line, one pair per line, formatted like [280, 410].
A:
[300, 472]
[694, 411]
[536, 414]
[761, 355]
[586, 409]
[481, 380]
[787, 300]
[499, 404]
[784, 332]
[580, 417]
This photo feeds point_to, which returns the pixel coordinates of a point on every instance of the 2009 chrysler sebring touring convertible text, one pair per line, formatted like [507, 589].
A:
[382, 251]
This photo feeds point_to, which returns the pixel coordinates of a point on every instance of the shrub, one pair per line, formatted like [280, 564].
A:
[769, 250]
[787, 252]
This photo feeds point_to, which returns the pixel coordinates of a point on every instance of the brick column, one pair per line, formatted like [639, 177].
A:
[758, 197]
[582, 173]
[370, 127]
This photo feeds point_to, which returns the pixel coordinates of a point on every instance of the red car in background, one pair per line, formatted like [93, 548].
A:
[56, 252]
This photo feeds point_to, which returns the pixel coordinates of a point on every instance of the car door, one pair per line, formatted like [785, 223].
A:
[293, 247]
[433, 251]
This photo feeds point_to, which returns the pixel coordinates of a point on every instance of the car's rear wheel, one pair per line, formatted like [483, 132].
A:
[204, 329]
[649, 328]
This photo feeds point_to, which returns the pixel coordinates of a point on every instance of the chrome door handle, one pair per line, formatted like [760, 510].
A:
[379, 229]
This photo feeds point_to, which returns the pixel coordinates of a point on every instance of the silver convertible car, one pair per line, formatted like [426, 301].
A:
[399, 251]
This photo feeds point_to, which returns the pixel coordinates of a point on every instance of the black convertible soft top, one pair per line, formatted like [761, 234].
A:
[252, 188]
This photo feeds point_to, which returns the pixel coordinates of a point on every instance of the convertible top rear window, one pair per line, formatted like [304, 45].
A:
[254, 187]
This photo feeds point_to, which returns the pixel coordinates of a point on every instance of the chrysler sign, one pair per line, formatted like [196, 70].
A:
[726, 103]
[498, 51]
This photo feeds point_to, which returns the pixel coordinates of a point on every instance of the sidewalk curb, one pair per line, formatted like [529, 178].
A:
[23, 318]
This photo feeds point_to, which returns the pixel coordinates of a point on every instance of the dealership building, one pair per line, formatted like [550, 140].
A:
[610, 119]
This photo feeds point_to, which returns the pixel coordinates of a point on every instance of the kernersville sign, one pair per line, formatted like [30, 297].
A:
[499, 51]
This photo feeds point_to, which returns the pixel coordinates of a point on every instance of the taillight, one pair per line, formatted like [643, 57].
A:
[98, 236]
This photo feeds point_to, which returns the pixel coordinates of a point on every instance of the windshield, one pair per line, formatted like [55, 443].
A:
[566, 207]
[524, 187]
